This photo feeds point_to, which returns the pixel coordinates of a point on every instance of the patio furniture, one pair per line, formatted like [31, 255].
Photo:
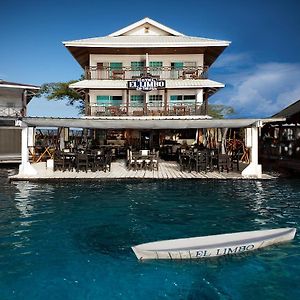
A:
[223, 162]
[82, 162]
[58, 161]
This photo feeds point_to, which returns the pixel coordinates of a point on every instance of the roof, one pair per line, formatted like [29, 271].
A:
[140, 41]
[146, 36]
[122, 84]
[289, 111]
[145, 21]
[8, 84]
[153, 122]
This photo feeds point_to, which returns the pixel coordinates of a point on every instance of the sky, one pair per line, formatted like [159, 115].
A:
[261, 67]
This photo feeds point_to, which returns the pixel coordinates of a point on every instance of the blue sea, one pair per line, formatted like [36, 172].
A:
[73, 240]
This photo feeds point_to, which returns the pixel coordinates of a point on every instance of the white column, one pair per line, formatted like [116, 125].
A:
[61, 137]
[199, 97]
[253, 169]
[147, 60]
[25, 168]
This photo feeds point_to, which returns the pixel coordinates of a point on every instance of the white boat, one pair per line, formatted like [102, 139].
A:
[213, 245]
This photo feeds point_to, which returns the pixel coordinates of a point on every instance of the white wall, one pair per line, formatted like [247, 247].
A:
[166, 59]
[94, 93]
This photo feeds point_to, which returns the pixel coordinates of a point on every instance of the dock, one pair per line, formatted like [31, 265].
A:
[119, 170]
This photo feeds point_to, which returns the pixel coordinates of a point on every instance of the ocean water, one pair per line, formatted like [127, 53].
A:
[72, 240]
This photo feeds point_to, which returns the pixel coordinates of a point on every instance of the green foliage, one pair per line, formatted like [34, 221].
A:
[219, 111]
[61, 91]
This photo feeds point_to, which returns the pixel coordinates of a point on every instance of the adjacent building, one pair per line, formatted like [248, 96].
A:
[14, 98]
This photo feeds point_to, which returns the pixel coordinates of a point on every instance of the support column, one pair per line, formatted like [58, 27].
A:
[253, 169]
[166, 101]
[23, 111]
[199, 101]
[87, 109]
[127, 102]
[25, 167]
[61, 138]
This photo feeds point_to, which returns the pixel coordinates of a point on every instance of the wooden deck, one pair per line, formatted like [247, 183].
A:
[167, 170]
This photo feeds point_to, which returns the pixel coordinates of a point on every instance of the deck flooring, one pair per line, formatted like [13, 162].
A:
[166, 170]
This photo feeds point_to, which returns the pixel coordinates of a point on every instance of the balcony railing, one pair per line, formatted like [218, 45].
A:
[129, 73]
[175, 109]
[6, 111]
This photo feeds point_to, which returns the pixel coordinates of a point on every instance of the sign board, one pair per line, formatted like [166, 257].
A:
[146, 84]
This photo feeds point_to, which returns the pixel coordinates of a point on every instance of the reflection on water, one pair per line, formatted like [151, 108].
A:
[74, 240]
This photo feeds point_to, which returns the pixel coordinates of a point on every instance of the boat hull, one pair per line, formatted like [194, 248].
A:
[214, 245]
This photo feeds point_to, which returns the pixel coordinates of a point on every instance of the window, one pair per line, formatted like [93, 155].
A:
[116, 65]
[177, 65]
[109, 100]
[174, 98]
[182, 99]
[190, 64]
[155, 101]
[137, 100]
[155, 64]
[137, 65]
[137, 68]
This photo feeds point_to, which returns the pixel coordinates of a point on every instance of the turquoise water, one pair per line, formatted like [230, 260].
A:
[72, 240]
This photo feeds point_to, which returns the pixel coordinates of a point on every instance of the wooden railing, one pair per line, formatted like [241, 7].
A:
[129, 73]
[176, 109]
[10, 111]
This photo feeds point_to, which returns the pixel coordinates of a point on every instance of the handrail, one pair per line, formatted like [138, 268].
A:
[172, 109]
[129, 73]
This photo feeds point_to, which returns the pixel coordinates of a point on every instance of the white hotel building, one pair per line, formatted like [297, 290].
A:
[145, 84]
[115, 64]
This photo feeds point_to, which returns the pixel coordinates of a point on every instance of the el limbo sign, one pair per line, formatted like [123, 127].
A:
[224, 251]
[146, 84]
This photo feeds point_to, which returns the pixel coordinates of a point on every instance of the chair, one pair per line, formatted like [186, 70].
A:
[68, 163]
[82, 162]
[108, 159]
[184, 161]
[154, 161]
[99, 163]
[223, 162]
[58, 161]
[201, 161]
[131, 162]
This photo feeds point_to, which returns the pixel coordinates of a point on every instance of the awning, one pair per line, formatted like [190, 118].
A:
[144, 122]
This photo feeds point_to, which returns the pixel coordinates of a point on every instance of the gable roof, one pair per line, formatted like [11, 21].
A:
[144, 22]
[146, 36]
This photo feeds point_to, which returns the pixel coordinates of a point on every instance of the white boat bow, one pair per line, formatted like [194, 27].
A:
[213, 245]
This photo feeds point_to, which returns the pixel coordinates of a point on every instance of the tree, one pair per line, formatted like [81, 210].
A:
[61, 91]
[219, 111]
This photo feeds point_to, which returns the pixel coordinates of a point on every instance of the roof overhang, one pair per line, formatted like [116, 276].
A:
[188, 122]
[81, 53]
[170, 84]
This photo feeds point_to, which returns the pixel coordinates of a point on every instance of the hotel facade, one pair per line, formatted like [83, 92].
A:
[146, 85]
[147, 70]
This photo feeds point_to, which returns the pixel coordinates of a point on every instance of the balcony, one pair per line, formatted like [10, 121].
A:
[129, 73]
[177, 108]
[10, 111]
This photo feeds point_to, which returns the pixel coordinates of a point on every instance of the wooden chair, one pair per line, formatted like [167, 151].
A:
[82, 162]
[202, 161]
[223, 162]
[58, 161]
[154, 161]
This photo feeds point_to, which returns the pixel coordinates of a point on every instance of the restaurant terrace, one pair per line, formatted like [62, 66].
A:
[119, 159]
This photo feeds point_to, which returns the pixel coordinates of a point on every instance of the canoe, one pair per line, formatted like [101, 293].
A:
[213, 245]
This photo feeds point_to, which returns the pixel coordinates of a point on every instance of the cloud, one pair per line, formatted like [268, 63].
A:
[232, 60]
[261, 90]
